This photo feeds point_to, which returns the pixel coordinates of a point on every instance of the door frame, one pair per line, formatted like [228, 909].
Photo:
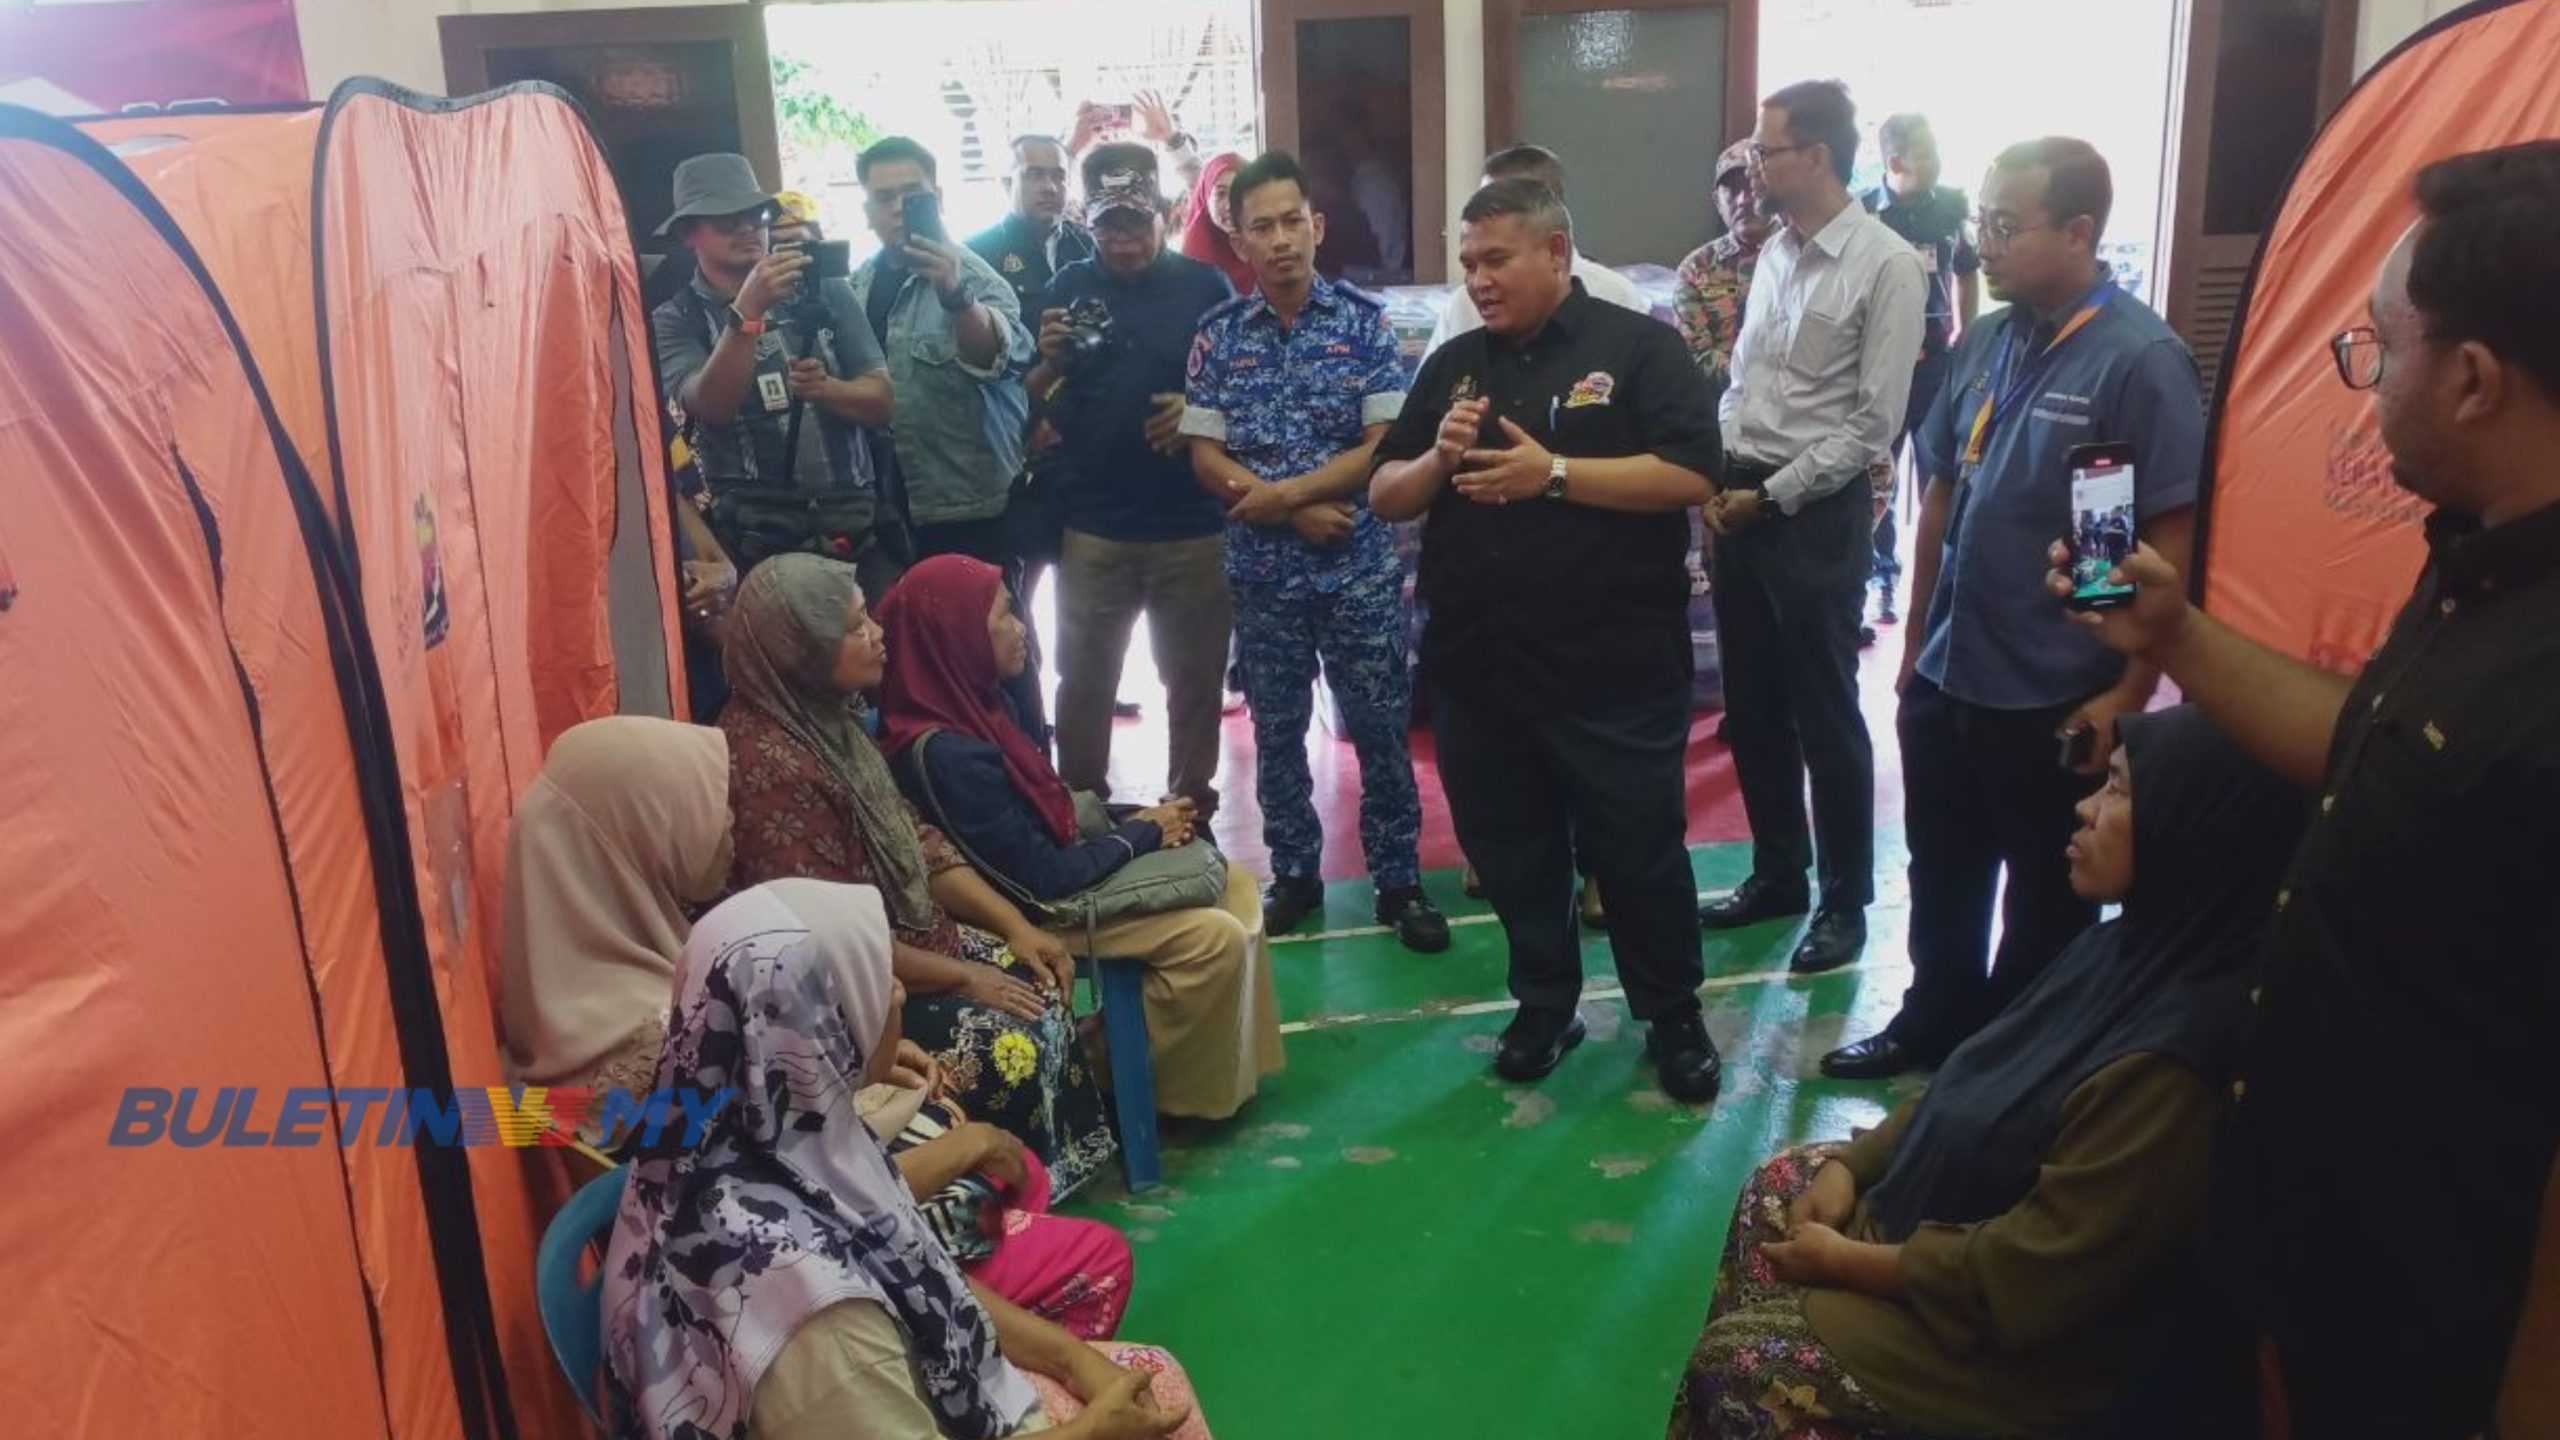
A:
[468, 39]
[1276, 26]
[1502, 61]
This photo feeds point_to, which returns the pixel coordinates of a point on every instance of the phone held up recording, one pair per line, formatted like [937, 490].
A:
[920, 211]
[2103, 528]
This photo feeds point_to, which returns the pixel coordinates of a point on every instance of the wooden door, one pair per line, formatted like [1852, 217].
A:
[2259, 77]
[1358, 91]
[657, 84]
[1636, 97]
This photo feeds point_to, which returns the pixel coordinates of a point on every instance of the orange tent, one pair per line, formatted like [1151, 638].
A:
[2310, 545]
[262, 784]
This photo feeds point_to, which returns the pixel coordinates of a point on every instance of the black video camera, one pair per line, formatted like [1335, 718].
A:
[1089, 337]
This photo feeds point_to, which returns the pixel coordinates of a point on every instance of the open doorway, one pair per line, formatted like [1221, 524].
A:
[965, 78]
[1989, 73]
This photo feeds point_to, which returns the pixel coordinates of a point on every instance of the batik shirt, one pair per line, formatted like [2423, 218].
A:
[1707, 303]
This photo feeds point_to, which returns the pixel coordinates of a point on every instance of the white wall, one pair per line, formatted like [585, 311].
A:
[1462, 66]
[2381, 24]
[397, 40]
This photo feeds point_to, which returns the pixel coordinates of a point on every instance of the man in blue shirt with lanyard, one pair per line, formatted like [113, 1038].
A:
[1991, 685]
[1290, 389]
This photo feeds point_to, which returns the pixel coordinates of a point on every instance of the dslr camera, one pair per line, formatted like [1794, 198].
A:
[1089, 338]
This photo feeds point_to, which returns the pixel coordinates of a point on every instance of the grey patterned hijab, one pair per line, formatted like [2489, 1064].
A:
[784, 634]
[787, 1203]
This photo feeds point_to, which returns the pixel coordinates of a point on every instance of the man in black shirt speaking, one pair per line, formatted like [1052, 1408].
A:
[1555, 453]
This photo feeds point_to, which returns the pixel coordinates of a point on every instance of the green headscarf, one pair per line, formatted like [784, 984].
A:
[785, 632]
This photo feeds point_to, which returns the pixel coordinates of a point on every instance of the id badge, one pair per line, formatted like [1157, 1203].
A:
[777, 396]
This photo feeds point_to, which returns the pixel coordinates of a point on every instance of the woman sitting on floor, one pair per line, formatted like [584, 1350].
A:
[1213, 1027]
[1996, 1258]
[812, 797]
[624, 835]
[773, 1279]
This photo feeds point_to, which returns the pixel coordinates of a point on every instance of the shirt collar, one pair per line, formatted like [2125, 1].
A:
[1323, 295]
[1562, 325]
[2476, 560]
[1833, 238]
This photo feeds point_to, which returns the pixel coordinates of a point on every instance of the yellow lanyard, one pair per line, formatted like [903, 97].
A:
[2000, 397]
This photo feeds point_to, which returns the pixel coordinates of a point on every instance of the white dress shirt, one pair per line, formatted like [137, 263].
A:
[1603, 283]
[1822, 369]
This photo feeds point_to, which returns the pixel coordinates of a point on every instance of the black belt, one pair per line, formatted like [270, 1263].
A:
[1741, 474]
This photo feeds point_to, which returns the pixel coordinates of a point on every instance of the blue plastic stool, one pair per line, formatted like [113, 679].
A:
[1133, 1071]
[573, 1308]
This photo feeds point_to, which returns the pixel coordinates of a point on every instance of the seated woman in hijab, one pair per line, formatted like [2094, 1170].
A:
[1213, 1026]
[770, 1278]
[811, 796]
[617, 843]
[1998, 1257]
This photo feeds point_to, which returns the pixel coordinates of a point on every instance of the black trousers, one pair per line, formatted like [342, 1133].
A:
[1529, 787]
[1789, 593]
[1982, 792]
[994, 541]
[1927, 380]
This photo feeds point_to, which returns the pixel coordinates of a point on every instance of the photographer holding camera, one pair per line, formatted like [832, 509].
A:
[1115, 332]
[753, 349]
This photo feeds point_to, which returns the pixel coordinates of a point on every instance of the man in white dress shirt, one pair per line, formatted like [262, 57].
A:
[1820, 375]
[1535, 162]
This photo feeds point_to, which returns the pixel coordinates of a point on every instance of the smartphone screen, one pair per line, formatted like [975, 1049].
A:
[831, 259]
[922, 214]
[2103, 525]
[1120, 117]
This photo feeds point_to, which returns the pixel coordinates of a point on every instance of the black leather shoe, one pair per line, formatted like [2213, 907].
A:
[1753, 901]
[1685, 1059]
[1878, 1057]
[1835, 938]
[1419, 925]
[1534, 1043]
[1288, 900]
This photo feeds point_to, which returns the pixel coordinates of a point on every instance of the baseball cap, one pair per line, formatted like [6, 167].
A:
[1131, 189]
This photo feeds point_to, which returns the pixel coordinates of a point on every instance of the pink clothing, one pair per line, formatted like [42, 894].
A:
[1171, 1387]
[1074, 1272]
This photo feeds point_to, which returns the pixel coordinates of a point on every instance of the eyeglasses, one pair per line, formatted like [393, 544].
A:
[2360, 357]
[1760, 153]
[743, 220]
[1999, 232]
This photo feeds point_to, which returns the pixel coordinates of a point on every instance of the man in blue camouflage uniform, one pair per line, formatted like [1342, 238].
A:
[1290, 389]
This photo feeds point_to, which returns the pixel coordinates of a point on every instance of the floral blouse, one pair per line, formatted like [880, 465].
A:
[1707, 301]
[788, 824]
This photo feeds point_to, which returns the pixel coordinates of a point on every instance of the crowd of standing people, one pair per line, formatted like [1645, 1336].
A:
[2142, 1192]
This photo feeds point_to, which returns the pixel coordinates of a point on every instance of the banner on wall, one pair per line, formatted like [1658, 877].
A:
[103, 58]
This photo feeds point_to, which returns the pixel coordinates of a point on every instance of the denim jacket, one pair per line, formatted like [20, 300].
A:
[959, 432]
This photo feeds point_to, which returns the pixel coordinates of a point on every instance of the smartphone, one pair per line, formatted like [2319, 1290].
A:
[831, 259]
[921, 212]
[2103, 526]
[2079, 746]
[1119, 117]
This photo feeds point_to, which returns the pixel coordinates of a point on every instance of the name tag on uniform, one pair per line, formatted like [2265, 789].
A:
[1928, 258]
[777, 396]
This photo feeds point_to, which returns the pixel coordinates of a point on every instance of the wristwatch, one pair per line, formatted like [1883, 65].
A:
[745, 326]
[1555, 477]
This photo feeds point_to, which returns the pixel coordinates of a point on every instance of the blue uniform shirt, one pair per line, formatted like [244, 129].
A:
[1287, 399]
[1996, 638]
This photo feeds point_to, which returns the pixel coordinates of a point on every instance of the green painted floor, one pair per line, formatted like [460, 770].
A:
[1390, 1242]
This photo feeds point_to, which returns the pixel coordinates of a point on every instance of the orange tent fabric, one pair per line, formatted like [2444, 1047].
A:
[239, 186]
[434, 536]
[2310, 545]
[189, 843]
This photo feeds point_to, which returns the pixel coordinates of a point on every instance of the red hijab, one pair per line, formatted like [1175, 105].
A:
[1201, 237]
[942, 676]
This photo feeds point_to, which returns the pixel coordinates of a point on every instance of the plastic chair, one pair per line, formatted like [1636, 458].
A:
[573, 1307]
[1121, 984]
